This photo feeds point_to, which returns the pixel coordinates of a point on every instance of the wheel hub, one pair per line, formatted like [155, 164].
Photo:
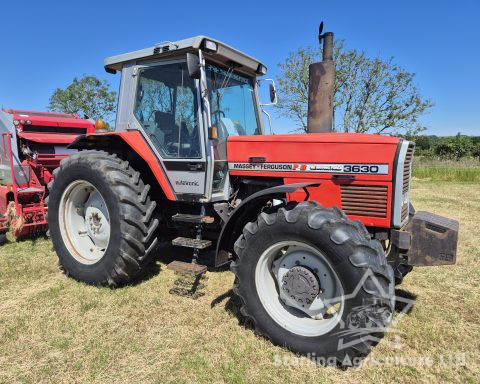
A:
[95, 222]
[85, 222]
[301, 284]
[305, 282]
[307, 275]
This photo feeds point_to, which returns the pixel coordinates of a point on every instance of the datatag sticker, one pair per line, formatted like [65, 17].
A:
[376, 169]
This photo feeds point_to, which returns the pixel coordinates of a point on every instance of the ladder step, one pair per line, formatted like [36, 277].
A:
[197, 219]
[187, 268]
[191, 243]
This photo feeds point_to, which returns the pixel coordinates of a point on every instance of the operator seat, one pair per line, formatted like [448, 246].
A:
[190, 144]
[166, 130]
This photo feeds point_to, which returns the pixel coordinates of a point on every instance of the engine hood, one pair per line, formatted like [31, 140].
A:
[319, 138]
[316, 155]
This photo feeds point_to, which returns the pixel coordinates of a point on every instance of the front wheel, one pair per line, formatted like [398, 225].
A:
[101, 219]
[312, 280]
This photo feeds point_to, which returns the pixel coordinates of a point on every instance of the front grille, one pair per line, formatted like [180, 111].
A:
[407, 174]
[365, 200]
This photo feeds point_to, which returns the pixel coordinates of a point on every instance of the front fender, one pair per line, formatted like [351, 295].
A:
[247, 211]
[131, 141]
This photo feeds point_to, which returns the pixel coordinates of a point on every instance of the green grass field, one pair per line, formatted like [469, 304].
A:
[466, 170]
[54, 329]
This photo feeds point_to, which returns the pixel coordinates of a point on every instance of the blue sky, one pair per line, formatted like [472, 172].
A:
[47, 43]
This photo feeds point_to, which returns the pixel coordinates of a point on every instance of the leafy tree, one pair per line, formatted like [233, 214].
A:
[87, 96]
[455, 147]
[476, 151]
[423, 143]
[371, 94]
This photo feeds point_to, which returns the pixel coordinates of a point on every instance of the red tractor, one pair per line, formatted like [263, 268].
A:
[316, 227]
[32, 146]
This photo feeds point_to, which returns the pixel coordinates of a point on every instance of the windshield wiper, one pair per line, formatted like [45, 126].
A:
[227, 76]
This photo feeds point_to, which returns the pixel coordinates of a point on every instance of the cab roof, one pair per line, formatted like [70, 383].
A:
[224, 53]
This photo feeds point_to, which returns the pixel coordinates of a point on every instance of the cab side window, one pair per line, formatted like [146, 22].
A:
[166, 107]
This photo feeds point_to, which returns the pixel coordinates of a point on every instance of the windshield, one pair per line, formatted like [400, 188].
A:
[232, 102]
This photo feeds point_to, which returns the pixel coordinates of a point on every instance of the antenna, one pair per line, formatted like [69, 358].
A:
[320, 30]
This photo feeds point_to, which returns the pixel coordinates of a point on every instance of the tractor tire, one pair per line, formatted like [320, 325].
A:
[101, 219]
[321, 242]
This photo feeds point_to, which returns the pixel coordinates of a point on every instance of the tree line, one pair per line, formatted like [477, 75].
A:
[372, 95]
[448, 147]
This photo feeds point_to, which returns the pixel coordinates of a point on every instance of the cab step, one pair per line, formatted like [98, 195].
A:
[195, 219]
[187, 268]
[191, 243]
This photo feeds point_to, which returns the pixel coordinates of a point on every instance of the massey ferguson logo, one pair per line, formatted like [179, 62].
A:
[369, 169]
[188, 183]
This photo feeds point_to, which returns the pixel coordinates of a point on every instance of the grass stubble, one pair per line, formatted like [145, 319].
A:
[54, 329]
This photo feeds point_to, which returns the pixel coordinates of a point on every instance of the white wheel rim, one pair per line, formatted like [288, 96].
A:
[323, 314]
[84, 222]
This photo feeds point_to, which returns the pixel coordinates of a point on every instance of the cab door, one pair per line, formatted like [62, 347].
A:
[233, 111]
[166, 110]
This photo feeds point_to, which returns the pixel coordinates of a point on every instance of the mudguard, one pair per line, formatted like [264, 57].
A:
[248, 211]
[134, 141]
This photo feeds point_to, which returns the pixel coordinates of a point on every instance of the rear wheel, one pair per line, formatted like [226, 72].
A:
[101, 219]
[312, 280]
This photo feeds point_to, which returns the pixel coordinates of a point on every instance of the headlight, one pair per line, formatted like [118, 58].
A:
[210, 46]
[262, 70]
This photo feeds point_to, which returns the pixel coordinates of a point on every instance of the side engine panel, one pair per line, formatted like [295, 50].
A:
[367, 176]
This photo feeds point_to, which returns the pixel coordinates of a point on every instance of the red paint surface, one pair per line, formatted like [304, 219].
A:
[48, 138]
[136, 141]
[320, 148]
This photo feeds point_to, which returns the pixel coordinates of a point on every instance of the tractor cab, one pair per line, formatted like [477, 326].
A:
[186, 98]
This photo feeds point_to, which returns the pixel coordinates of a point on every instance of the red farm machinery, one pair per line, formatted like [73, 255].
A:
[316, 227]
[32, 146]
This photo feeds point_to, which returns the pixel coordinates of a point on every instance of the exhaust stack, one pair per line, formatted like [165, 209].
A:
[321, 87]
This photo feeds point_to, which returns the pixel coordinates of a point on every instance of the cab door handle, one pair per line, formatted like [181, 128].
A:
[195, 166]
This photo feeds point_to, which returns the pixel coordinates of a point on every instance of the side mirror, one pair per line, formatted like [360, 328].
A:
[193, 65]
[272, 92]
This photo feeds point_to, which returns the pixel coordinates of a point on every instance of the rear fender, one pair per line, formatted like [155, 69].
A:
[247, 211]
[129, 140]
